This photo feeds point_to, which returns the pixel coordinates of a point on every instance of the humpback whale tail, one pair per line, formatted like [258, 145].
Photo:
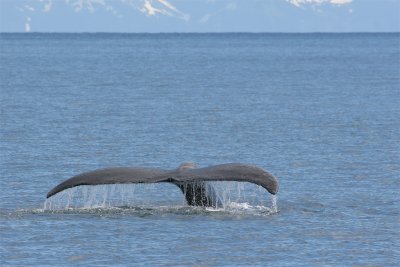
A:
[192, 181]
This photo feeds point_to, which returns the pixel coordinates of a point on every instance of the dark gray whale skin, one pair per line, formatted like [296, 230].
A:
[191, 180]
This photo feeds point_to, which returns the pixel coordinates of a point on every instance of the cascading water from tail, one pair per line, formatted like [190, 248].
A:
[274, 200]
[231, 196]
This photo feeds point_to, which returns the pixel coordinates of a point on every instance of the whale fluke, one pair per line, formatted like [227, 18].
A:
[191, 180]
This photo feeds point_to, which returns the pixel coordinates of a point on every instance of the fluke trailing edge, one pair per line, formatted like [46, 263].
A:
[191, 180]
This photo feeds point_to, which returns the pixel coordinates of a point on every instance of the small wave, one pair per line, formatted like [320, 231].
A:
[233, 209]
[244, 208]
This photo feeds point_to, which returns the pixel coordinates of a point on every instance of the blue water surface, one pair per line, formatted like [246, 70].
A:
[319, 111]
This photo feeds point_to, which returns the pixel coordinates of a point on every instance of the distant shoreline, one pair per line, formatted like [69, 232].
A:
[201, 33]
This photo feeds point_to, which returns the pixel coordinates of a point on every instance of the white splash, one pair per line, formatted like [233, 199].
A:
[107, 196]
[274, 200]
[243, 196]
[233, 197]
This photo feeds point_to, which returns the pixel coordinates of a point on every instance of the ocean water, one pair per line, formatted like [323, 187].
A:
[319, 111]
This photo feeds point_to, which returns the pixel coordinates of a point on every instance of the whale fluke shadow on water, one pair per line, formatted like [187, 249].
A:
[192, 181]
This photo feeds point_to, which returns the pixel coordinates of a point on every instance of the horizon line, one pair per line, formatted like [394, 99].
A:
[172, 32]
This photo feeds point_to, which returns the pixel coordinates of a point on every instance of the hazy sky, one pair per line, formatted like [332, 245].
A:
[199, 15]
